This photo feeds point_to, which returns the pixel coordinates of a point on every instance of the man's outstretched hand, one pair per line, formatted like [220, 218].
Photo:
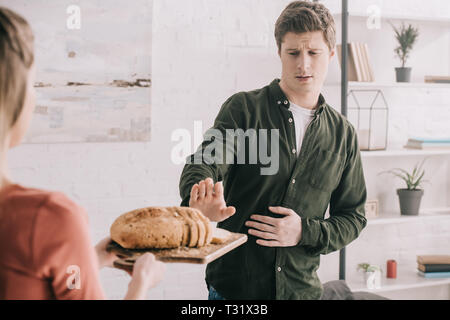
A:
[208, 198]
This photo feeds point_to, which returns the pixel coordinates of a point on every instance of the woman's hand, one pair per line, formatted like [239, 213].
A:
[147, 273]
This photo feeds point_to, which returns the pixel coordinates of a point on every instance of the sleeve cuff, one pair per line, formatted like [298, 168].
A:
[310, 232]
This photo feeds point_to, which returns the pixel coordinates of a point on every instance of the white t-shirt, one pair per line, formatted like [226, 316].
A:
[302, 118]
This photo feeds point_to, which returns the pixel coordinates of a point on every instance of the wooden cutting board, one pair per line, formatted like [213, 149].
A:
[203, 255]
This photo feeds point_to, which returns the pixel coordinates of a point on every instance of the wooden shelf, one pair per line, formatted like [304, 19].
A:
[430, 19]
[407, 278]
[407, 275]
[403, 152]
[425, 214]
[370, 85]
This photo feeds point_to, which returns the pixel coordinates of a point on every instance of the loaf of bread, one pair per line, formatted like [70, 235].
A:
[162, 228]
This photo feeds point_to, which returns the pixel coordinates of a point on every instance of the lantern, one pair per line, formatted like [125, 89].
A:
[368, 112]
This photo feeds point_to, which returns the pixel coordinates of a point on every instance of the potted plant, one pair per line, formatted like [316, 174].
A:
[367, 267]
[372, 275]
[406, 37]
[410, 196]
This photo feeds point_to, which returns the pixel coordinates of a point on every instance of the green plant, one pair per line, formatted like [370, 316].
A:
[367, 267]
[413, 180]
[406, 37]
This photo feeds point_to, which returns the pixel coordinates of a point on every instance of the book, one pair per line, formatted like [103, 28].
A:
[358, 64]
[437, 79]
[434, 267]
[361, 62]
[433, 259]
[351, 70]
[362, 50]
[433, 275]
[355, 55]
[369, 66]
[430, 144]
[431, 140]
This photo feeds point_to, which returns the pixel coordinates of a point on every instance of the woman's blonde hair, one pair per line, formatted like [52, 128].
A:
[16, 59]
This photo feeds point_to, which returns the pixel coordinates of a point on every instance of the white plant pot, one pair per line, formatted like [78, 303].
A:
[372, 279]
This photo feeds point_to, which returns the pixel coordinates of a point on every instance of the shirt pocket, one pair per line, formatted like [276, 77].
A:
[326, 170]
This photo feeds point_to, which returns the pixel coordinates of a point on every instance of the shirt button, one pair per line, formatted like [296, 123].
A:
[290, 120]
[279, 102]
[294, 151]
[286, 102]
[279, 269]
[293, 181]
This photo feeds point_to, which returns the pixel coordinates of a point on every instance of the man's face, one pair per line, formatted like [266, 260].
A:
[305, 58]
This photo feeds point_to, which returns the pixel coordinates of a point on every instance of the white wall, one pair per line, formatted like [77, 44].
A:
[204, 51]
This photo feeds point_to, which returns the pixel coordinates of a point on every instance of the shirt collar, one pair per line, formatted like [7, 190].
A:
[279, 98]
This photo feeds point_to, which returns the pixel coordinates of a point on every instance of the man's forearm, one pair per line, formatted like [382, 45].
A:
[192, 174]
[321, 236]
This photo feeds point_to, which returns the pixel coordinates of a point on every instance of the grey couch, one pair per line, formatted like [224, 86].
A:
[338, 290]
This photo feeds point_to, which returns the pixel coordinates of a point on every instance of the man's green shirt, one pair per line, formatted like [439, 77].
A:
[328, 171]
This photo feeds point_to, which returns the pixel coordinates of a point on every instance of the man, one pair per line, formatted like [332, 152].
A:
[319, 164]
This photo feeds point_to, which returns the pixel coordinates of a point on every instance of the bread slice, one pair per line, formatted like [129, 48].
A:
[186, 233]
[208, 227]
[220, 236]
[193, 241]
[189, 226]
[195, 215]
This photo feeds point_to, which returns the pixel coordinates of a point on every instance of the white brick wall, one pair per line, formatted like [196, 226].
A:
[204, 51]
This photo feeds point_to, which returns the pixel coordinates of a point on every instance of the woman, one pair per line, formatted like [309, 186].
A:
[45, 248]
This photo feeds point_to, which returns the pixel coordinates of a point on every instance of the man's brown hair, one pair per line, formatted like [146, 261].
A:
[16, 59]
[305, 16]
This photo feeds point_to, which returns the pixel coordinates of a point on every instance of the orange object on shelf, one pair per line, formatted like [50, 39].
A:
[391, 269]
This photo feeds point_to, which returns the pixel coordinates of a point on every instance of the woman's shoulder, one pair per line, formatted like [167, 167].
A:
[37, 219]
[31, 199]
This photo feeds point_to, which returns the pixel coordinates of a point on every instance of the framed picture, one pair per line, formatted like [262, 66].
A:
[371, 208]
[93, 69]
